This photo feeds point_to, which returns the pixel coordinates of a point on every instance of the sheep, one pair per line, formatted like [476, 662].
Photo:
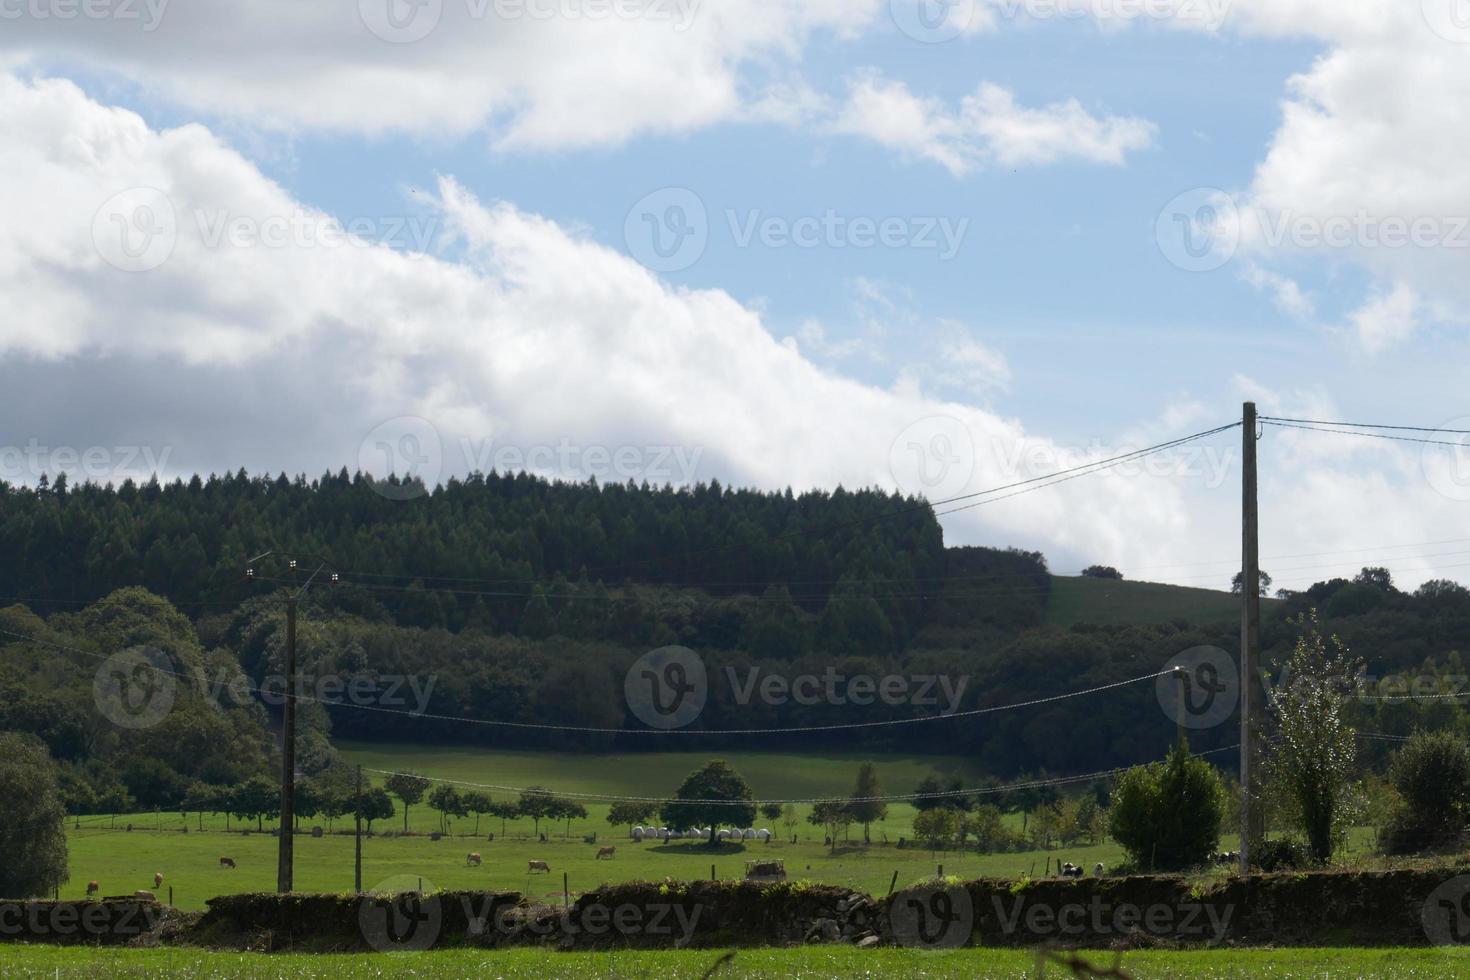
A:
[472, 858]
[1097, 870]
[226, 862]
[1070, 870]
[606, 852]
[92, 888]
[537, 866]
[158, 879]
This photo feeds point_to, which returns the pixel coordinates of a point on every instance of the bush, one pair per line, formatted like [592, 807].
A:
[1282, 854]
[31, 813]
[1432, 775]
[1167, 815]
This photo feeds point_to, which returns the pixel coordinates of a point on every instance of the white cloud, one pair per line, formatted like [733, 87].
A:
[1386, 319]
[988, 128]
[532, 71]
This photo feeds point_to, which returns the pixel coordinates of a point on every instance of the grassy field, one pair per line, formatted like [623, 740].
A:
[123, 861]
[1108, 602]
[57, 962]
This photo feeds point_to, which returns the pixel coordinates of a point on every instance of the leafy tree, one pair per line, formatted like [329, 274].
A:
[1167, 815]
[1264, 580]
[408, 787]
[505, 811]
[1312, 757]
[1102, 571]
[936, 826]
[446, 800]
[631, 812]
[771, 811]
[715, 794]
[256, 799]
[1378, 578]
[32, 836]
[1432, 776]
[864, 809]
[570, 810]
[538, 804]
[376, 805]
[831, 816]
[789, 819]
[477, 803]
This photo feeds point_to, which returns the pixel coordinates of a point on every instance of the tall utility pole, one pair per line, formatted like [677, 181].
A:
[285, 852]
[1252, 693]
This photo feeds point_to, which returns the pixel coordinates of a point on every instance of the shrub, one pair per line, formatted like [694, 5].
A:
[1167, 815]
[1432, 775]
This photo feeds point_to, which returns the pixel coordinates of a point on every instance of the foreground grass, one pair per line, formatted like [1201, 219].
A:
[58, 962]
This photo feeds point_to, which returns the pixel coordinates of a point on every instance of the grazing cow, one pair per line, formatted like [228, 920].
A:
[1070, 870]
[472, 858]
[144, 895]
[226, 862]
[606, 852]
[92, 888]
[538, 866]
[158, 879]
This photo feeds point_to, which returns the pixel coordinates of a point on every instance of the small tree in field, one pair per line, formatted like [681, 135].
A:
[408, 787]
[936, 826]
[789, 819]
[771, 811]
[1166, 815]
[863, 807]
[631, 812]
[1309, 766]
[732, 800]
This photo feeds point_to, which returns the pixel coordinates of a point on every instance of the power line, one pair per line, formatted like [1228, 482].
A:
[1367, 435]
[1367, 425]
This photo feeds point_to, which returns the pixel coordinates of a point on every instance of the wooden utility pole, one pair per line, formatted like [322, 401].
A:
[1182, 679]
[357, 845]
[1252, 693]
[286, 853]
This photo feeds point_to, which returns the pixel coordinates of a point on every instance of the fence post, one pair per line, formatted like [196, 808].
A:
[566, 892]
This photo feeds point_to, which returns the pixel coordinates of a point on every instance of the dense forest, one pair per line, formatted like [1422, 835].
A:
[541, 597]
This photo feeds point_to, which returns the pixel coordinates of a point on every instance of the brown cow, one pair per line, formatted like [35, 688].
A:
[158, 879]
[92, 888]
[226, 862]
[473, 858]
[538, 866]
[606, 852]
[145, 895]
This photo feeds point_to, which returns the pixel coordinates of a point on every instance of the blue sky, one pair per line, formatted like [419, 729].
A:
[1048, 150]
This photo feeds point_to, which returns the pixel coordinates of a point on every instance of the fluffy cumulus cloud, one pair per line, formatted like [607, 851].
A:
[537, 73]
[256, 334]
[988, 127]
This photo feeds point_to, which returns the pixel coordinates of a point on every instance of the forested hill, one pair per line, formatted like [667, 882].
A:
[480, 545]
